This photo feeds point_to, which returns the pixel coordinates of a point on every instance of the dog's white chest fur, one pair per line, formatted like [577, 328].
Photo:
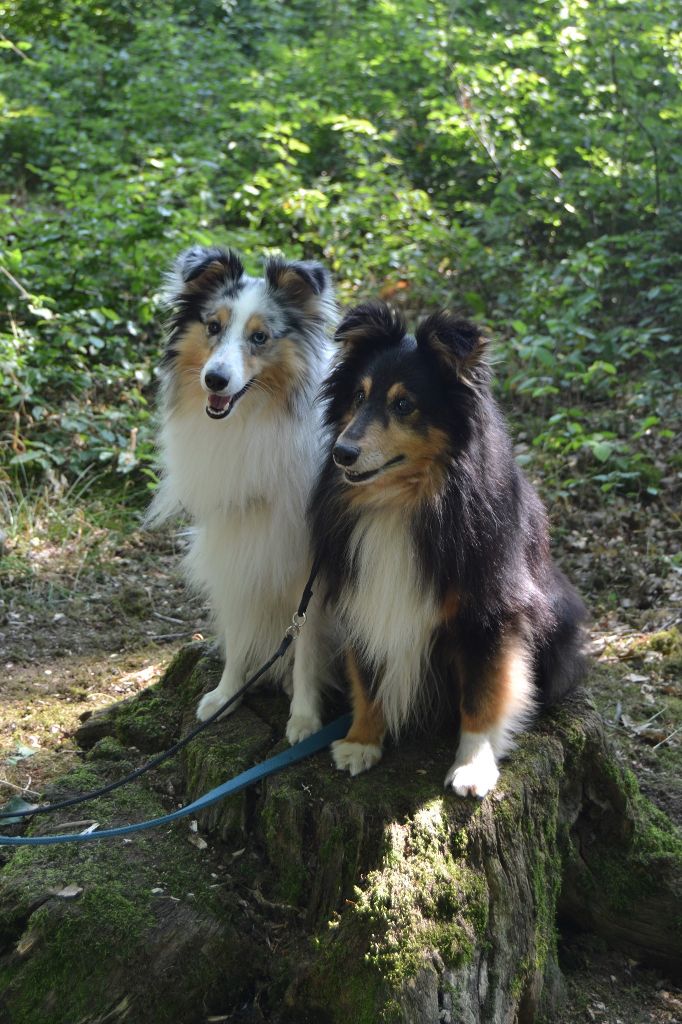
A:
[256, 455]
[390, 614]
[245, 482]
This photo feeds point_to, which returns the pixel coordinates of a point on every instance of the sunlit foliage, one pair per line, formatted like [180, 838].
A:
[520, 162]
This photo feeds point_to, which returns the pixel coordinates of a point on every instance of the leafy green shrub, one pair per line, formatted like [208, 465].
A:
[518, 162]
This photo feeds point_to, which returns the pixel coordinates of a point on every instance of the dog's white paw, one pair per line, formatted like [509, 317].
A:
[473, 779]
[212, 701]
[299, 727]
[355, 757]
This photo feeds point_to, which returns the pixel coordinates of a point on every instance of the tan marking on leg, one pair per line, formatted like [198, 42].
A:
[505, 687]
[368, 720]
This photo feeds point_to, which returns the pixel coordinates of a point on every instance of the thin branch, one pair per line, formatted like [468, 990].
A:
[488, 146]
[16, 49]
[667, 738]
[19, 789]
[20, 288]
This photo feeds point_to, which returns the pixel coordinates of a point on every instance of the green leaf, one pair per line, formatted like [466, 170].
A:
[24, 457]
[602, 450]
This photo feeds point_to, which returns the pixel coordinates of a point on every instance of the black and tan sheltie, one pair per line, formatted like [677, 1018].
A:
[435, 548]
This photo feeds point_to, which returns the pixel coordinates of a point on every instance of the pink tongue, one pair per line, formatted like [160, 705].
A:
[218, 402]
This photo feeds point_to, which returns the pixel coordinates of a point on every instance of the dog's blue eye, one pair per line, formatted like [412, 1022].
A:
[403, 406]
[213, 326]
[259, 338]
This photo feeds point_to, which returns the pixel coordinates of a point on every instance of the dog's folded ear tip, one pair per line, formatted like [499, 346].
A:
[454, 340]
[299, 278]
[197, 260]
[319, 274]
[371, 322]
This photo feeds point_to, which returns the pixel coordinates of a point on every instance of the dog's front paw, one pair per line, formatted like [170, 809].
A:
[355, 757]
[299, 727]
[474, 779]
[212, 702]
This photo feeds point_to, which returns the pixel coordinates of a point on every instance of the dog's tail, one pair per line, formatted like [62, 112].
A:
[561, 661]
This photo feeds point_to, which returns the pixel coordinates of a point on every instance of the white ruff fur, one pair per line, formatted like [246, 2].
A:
[246, 488]
[390, 615]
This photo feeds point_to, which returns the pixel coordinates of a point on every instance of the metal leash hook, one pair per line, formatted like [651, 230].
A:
[297, 624]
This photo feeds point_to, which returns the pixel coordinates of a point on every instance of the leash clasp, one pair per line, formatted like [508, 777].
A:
[297, 624]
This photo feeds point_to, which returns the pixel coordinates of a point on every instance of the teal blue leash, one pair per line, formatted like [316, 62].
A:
[312, 745]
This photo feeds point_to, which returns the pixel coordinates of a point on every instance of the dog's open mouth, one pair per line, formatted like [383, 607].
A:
[220, 406]
[361, 478]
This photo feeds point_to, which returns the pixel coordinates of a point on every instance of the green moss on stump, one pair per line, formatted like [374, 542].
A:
[177, 676]
[150, 721]
[108, 749]
[622, 859]
[222, 752]
[422, 899]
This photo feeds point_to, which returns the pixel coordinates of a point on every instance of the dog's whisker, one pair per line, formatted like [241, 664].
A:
[259, 386]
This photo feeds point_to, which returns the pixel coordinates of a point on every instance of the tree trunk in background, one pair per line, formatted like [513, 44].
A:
[321, 898]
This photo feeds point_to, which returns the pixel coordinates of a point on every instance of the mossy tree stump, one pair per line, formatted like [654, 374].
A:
[322, 898]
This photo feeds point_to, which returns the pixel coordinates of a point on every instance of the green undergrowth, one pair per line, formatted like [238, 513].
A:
[510, 161]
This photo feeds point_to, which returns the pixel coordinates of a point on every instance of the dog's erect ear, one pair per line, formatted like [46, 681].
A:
[202, 268]
[459, 345]
[303, 287]
[373, 324]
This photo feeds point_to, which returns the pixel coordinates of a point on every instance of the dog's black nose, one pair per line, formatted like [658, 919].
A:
[216, 381]
[345, 454]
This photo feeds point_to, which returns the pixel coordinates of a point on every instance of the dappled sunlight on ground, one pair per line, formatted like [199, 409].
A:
[85, 621]
[42, 705]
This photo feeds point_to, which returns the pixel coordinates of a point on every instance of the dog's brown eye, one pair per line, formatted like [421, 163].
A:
[213, 326]
[403, 406]
[358, 398]
[259, 338]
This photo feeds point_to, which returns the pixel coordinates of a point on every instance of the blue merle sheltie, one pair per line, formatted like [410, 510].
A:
[240, 447]
[435, 548]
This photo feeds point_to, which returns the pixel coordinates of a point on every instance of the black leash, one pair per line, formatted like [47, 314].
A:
[291, 634]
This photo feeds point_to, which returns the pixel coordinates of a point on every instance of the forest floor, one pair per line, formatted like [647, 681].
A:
[93, 607]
